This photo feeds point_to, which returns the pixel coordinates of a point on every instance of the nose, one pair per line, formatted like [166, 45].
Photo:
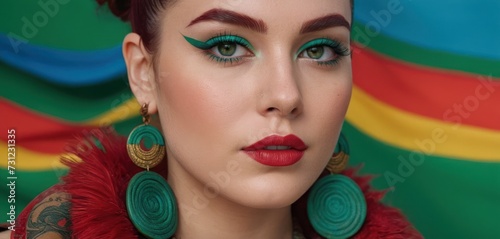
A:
[280, 92]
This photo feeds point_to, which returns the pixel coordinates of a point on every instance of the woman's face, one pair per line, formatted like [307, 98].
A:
[231, 73]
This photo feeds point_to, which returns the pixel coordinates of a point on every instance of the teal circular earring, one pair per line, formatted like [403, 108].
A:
[151, 203]
[339, 160]
[336, 206]
[141, 157]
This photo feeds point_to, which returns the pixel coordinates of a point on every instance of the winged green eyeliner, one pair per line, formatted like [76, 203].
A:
[197, 44]
[338, 48]
[219, 39]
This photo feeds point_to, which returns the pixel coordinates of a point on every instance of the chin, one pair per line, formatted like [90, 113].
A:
[268, 202]
[265, 195]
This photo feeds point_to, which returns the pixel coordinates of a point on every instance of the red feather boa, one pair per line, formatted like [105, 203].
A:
[98, 184]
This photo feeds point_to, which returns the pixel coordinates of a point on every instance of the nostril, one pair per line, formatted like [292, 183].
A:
[275, 109]
[271, 109]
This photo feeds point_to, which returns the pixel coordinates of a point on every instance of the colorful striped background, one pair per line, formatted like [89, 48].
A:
[424, 115]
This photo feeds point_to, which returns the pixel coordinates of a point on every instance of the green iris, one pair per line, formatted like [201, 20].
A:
[317, 48]
[315, 52]
[227, 48]
[224, 48]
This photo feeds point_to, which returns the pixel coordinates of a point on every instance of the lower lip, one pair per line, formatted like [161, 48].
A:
[276, 158]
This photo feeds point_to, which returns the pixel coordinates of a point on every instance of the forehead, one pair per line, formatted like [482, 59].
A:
[277, 14]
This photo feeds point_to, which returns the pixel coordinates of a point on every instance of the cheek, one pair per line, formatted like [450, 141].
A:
[328, 95]
[190, 103]
[332, 113]
[192, 94]
[332, 105]
[325, 106]
[196, 108]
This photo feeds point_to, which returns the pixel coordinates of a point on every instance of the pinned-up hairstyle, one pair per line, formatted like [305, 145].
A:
[144, 16]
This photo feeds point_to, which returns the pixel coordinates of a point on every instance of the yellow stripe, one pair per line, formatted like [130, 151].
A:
[127, 110]
[381, 121]
[28, 160]
[422, 134]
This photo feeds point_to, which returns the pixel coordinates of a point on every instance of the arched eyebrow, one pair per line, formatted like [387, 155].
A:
[321, 23]
[258, 25]
[230, 17]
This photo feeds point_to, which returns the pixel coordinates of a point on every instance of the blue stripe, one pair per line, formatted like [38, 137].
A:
[72, 68]
[463, 27]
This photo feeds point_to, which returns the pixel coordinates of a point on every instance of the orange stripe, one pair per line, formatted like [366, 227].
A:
[454, 97]
[37, 132]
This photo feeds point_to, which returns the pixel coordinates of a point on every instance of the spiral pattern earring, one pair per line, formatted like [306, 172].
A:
[151, 203]
[336, 206]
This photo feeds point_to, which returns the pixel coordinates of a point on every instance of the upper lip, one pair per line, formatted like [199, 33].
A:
[291, 141]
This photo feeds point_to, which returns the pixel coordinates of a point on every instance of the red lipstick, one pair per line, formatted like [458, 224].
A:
[277, 150]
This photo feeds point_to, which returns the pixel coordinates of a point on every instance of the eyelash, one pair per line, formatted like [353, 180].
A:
[337, 47]
[208, 45]
[227, 37]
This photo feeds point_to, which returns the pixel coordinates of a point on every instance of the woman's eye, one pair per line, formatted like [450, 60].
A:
[319, 53]
[229, 49]
[224, 48]
[324, 51]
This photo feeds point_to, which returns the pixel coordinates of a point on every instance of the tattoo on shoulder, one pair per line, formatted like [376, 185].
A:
[50, 218]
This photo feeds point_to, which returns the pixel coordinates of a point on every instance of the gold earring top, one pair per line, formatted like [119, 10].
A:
[144, 113]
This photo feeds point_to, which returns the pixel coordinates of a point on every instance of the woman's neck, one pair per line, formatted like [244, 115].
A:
[217, 217]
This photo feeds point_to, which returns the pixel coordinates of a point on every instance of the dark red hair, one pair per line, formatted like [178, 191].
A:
[144, 17]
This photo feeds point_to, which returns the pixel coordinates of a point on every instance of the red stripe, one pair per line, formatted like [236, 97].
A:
[34, 131]
[444, 95]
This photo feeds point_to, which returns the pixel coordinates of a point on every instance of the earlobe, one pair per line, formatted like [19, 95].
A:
[140, 71]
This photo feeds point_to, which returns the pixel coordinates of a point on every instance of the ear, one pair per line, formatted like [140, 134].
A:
[140, 71]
